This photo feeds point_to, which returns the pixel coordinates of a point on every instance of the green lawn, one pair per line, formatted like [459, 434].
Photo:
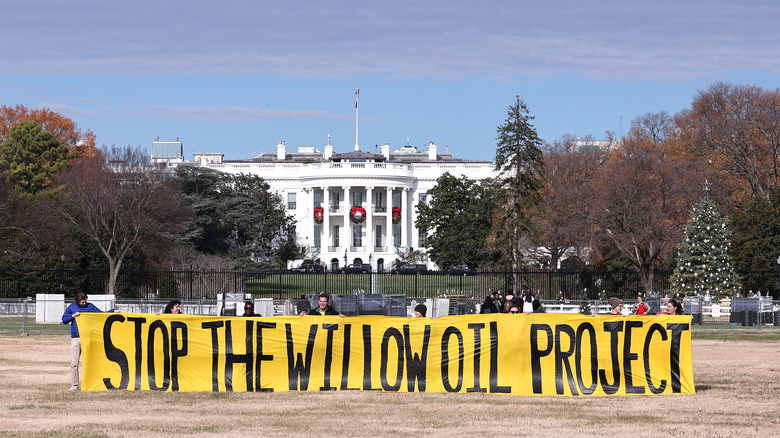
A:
[15, 325]
[736, 333]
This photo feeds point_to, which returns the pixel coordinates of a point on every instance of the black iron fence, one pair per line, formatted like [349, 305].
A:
[191, 284]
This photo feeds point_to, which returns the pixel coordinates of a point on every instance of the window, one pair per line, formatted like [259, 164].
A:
[378, 236]
[424, 198]
[357, 237]
[397, 236]
[335, 199]
[378, 202]
[421, 238]
[336, 235]
[291, 204]
[317, 235]
[318, 199]
[357, 199]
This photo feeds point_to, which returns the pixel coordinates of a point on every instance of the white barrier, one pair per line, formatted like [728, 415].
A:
[50, 307]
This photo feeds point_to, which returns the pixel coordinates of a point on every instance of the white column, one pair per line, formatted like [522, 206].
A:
[325, 237]
[346, 235]
[369, 206]
[415, 236]
[306, 212]
[389, 212]
[405, 217]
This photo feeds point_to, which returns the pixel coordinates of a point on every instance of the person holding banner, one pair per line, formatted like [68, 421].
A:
[323, 306]
[674, 308]
[617, 306]
[76, 308]
[173, 307]
[249, 309]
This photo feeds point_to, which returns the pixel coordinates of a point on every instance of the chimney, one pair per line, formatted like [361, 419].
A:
[432, 151]
[328, 150]
[281, 151]
[386, 151]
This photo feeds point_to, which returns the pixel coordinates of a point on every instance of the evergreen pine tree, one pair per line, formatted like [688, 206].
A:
[520, 165]
[704, 263]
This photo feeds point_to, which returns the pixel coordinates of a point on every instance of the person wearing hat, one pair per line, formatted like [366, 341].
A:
[420, 310]
[510, 301]
[617, 306]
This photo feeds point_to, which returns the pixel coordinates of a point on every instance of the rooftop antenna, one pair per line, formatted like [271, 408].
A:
[357, 99]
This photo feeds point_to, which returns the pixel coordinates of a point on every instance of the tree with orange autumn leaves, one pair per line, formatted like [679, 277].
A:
[642, 195]
[737, 129]
[80, 143]
[35, 146]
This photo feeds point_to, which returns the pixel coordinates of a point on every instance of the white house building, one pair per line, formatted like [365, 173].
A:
[354, 207]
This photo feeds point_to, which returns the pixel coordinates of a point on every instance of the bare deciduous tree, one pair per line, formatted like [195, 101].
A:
[642, 196]
[559, 220]
[118, 199]
[738, 129]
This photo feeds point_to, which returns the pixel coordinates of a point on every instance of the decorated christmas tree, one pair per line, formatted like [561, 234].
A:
[704, 264]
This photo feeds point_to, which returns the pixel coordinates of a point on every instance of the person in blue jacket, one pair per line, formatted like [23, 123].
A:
[76, 308]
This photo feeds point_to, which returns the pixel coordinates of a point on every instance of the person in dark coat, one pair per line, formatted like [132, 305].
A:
[489, 306]
[323, 306]
[249, 309]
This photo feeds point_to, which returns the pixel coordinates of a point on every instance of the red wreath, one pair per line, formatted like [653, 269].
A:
[318, 212]
[396, 215]
[357, 215]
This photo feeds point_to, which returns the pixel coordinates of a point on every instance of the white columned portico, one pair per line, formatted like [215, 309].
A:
[405, 214]
[325, 238]
[369, 243]
[389, 223]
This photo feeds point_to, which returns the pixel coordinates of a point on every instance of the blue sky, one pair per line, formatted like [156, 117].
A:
[237, 77]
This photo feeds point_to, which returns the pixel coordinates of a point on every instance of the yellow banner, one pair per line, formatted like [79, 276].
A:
[538, 354]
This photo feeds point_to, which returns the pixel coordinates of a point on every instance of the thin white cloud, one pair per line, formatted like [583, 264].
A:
[223, 113]
[604, 38]
[71, 111]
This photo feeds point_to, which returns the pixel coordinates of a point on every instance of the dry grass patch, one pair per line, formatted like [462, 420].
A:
[738, 394]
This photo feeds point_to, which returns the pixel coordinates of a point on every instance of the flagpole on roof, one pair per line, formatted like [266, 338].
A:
[357, 98]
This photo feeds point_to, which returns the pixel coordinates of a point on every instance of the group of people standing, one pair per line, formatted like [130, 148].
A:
[643, 308]
[527, 303]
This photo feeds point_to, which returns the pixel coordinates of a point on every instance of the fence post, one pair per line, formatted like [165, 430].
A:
[25, 331]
